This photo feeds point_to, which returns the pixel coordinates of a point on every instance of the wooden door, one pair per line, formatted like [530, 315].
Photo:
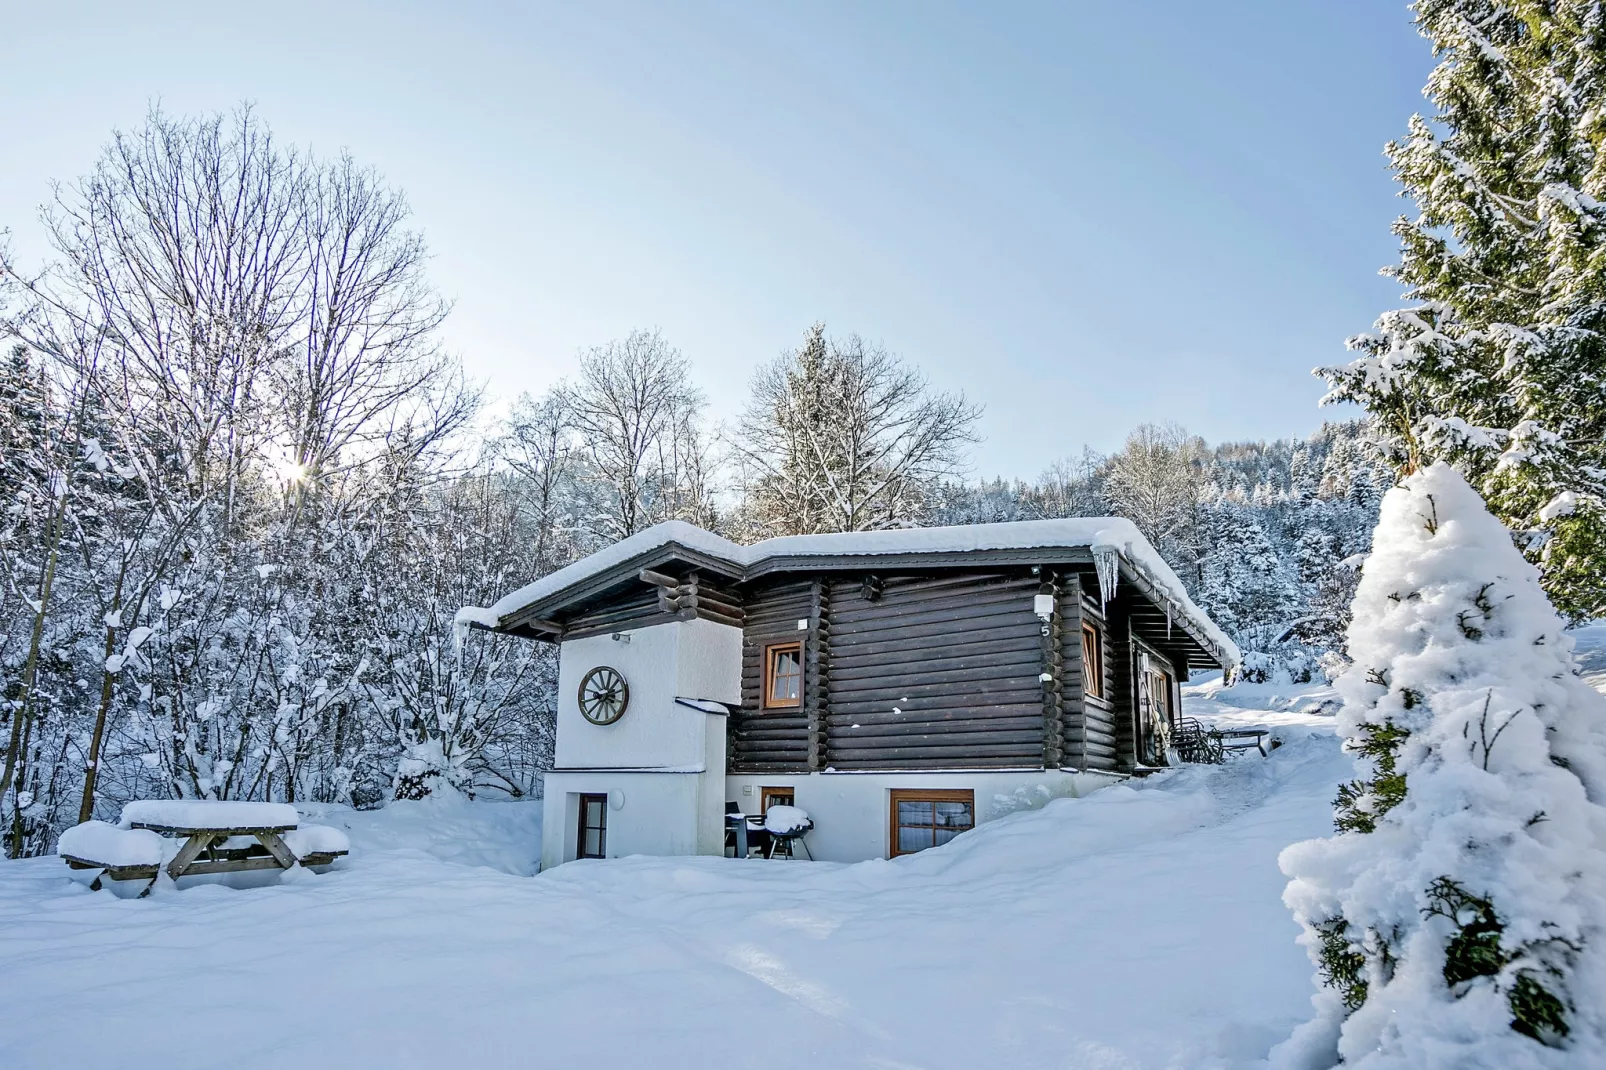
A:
[1154, 713]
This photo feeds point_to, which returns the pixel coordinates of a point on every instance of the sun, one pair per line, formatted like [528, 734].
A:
[291, 472]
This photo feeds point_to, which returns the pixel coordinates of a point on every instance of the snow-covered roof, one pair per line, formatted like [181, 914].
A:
[1111, 542]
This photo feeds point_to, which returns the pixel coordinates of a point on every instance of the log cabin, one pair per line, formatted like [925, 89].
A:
[901, 686]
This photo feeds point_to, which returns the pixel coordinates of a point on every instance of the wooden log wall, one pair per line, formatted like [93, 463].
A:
[776, 741]
[1051, 646]
[934, 672]
[1123, 682]
[816, 671]
[636, 609]
[694, 597]
[1088, 722]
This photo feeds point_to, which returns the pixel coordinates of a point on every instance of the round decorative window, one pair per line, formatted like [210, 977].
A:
[603, 695]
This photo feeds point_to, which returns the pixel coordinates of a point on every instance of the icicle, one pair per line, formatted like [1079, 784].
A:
[1168, 618]
[1107, 563]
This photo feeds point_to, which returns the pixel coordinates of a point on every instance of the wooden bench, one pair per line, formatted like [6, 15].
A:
[116, 873]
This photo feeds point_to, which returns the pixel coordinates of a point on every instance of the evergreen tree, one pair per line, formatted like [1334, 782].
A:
[841, 435]
[1500, 367]
[22, 418]
[1458, 917]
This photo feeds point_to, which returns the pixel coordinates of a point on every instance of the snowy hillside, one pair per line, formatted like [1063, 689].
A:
[1139, 927]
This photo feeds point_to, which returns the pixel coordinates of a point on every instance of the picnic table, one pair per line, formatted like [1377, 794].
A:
[219, 837]
[1243, 738]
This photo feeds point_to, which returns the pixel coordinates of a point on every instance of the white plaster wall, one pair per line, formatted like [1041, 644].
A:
[710, 661]
[691, 659]
[648, 814]
[662, 763]
[711, 784]
[851, 811]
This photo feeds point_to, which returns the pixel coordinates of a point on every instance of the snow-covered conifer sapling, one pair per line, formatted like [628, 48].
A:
[1456, 918]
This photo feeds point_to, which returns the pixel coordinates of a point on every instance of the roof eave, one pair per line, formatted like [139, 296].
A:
[1042, 555]
[625, 571]
[532, 621]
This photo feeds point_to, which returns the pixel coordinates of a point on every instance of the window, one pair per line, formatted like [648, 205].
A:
[922, 819]
[593, 840]
[1159, 682]
[783, 675]
[1092, 661]
[775, 797]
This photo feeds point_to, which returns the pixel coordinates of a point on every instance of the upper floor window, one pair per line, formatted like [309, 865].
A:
[1092, 661]
[783, 675]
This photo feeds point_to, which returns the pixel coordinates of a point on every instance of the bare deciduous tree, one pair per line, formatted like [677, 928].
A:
[254, 434]
[1156, 482]
[844, 436]
[636, 415]
[366, 360]
[539, 448]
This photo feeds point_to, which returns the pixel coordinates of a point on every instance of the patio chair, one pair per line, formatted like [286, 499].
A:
[744, 833]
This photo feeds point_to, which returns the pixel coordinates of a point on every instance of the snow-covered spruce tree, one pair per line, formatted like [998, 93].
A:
[841, 435]
[1500, 367]
[1458, 917]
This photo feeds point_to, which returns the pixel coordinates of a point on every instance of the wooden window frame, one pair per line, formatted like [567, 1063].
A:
[764, 794]
[1162, 702]
[1092, 673]
[580, 830]
[771, 651]
[897, 795]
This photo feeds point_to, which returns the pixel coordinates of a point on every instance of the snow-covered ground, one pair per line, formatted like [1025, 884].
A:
[1139, 927]
[1591, 652]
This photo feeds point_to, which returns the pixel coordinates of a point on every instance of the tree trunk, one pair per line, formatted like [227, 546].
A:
[31, 667]
[86, 808]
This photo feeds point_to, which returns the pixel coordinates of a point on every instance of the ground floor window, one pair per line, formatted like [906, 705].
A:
[593, 841]
[929, 818]
[776, 797]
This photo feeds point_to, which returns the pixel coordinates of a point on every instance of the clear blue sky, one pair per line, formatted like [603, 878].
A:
[1084, 215]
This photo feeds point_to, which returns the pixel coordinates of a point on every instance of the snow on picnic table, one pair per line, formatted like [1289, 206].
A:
[97, 841]
[204, 814]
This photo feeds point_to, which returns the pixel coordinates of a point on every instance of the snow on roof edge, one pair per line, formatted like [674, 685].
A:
[1102, 533]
